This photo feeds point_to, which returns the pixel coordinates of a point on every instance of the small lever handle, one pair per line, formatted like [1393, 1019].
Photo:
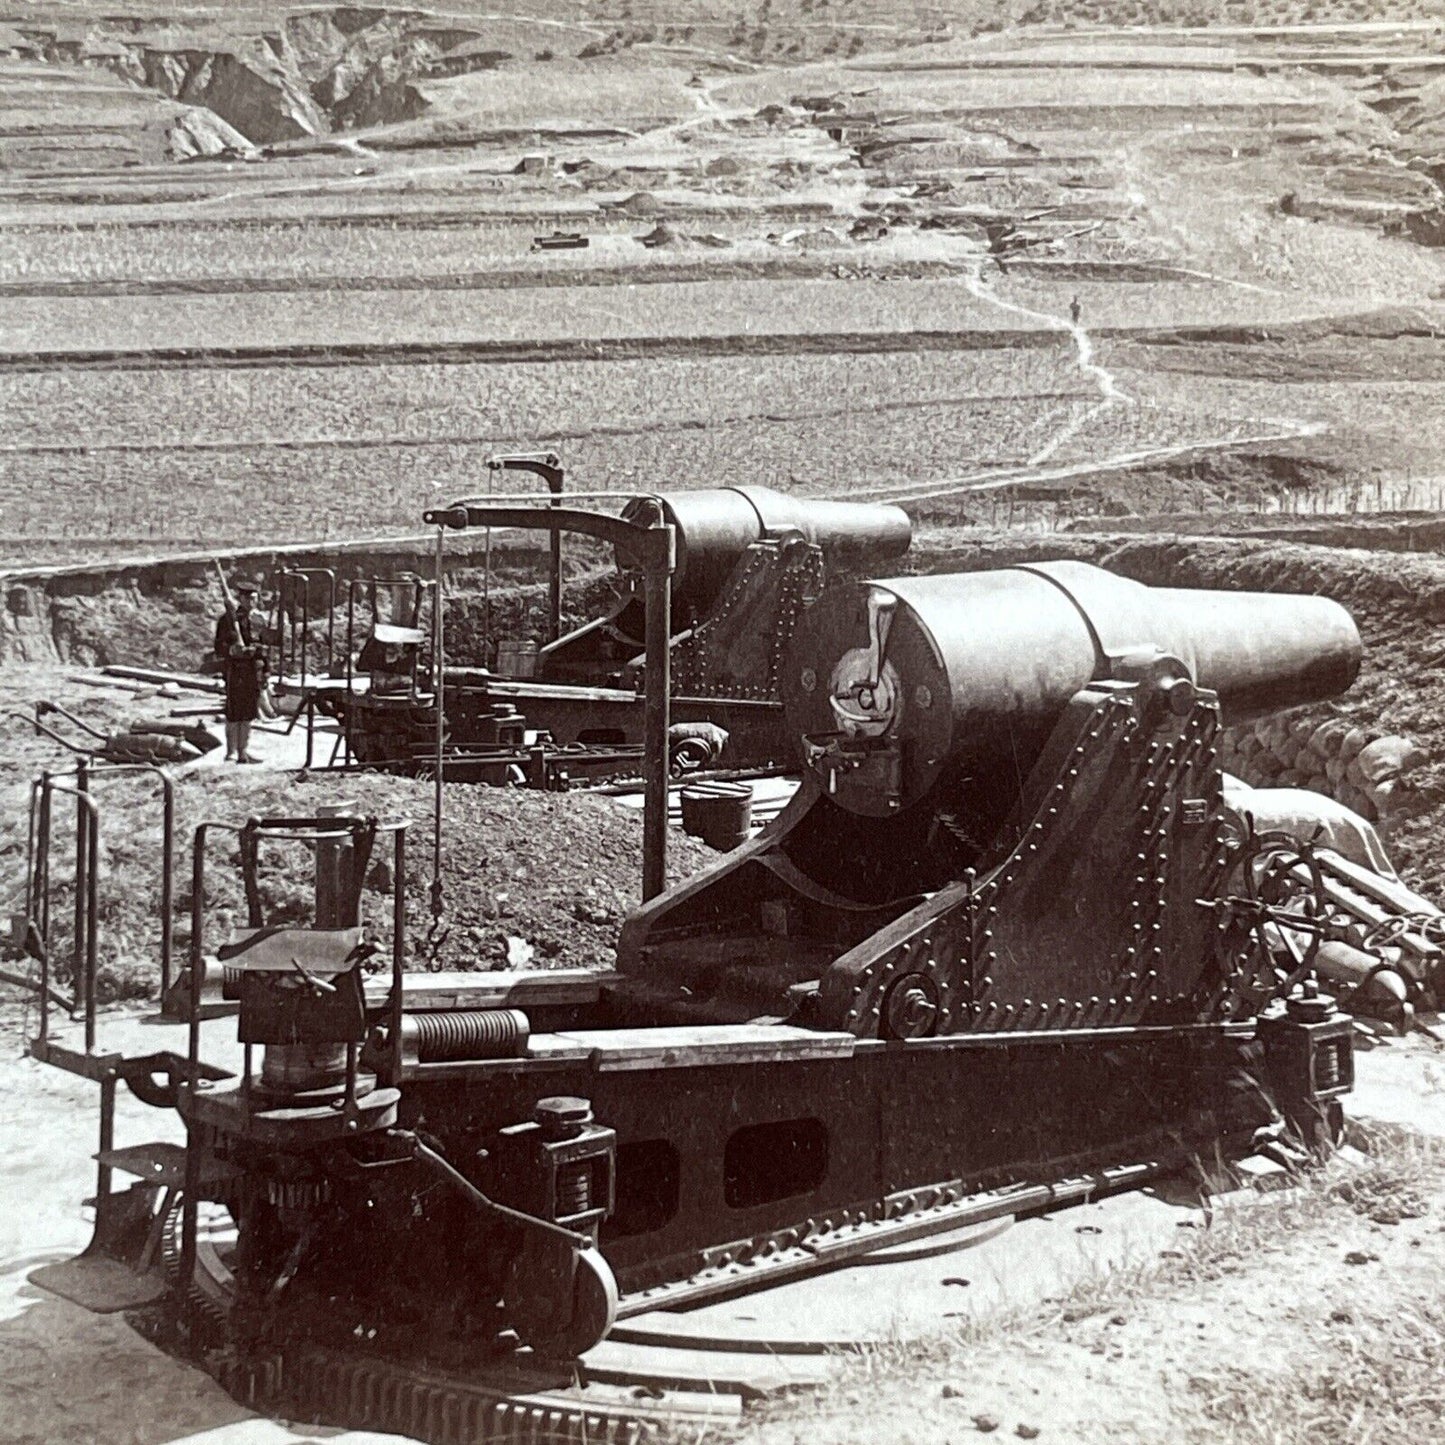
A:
[881, 607]
[319, 984]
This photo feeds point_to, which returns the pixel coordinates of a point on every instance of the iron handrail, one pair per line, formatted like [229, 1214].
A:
[305, 574]
[547, 466]
[91, 771]
[87, 861]
[547, 501]
[55, 737]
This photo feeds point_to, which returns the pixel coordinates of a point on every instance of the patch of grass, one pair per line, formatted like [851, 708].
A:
[1380, 1372]
[1384, 1385]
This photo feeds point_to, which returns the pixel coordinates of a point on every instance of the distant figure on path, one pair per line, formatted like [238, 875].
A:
[238, 648]
[1075, 310]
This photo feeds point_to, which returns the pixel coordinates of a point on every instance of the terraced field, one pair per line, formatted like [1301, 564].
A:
[296, 293]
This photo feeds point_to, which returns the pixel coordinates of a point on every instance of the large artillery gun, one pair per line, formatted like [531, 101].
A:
[1004, 950]
[748, 563]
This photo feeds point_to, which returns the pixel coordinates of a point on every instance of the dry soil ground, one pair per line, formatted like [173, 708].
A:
[270, 277]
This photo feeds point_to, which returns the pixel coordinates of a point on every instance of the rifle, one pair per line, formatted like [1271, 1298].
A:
[230, 602]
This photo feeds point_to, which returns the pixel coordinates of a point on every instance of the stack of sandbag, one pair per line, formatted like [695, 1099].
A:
[1361, 768]
[159, 742]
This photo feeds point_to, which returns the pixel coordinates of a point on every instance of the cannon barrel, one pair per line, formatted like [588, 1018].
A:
[716, 525]
[974, 669]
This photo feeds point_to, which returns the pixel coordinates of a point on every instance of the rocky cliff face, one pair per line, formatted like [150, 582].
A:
[197, 131]
[321, 71]
[249, 88]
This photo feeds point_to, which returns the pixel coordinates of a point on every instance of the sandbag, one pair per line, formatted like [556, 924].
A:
[1388, 757]
[1352, 742]
[1304, 814]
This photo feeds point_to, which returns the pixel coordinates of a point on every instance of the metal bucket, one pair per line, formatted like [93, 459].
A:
[516, 659]
[720, 813]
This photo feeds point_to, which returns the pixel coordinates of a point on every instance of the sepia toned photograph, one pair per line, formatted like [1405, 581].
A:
[722, 724]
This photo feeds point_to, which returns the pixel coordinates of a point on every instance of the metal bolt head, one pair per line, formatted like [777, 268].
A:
[1307, 1009]
[562, 1116]
[912, 1011]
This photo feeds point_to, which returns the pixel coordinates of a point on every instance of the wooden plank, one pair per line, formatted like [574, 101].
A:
[556, 1046]
[116, 683]
[162, 676]
[695, 1046]
[557, 691]
[513, 988]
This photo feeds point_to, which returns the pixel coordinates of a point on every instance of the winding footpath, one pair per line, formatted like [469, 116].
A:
[1111, 396]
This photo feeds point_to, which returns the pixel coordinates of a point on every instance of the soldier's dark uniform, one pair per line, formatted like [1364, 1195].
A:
[238, 649]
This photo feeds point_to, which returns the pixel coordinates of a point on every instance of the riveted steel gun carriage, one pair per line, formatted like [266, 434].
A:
[749, 561]
[1002, 950]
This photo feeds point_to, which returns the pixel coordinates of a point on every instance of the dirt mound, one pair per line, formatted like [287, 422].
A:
[639, 203]
[665, 237]
[662, 235]
[512, 887]
[819, 238]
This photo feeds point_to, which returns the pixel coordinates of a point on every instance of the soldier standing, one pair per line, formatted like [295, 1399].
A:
[242, 658]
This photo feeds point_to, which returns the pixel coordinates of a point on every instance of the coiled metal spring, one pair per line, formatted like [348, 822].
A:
[456, 1037]
[298, 1193]
[574, 1188]
[1329, 1065]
